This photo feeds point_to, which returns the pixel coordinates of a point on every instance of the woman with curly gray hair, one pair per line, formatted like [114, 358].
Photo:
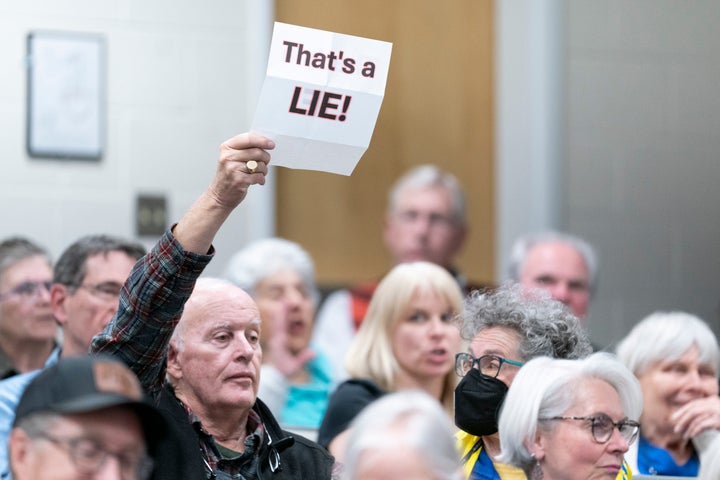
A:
[504, 329]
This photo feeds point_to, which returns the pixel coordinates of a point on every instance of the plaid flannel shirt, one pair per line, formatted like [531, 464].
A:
[151, 303]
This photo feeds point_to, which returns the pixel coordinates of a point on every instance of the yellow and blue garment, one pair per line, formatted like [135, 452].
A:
[478, 465]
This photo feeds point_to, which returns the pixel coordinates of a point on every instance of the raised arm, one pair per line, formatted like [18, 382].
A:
[152, 299]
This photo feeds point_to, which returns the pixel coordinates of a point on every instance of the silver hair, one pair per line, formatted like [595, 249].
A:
[429, 176]
[16, 249]
[668, 336]
[545, 388]
[525, 243]
[269, 256]
[37, 423]
[422, 424]
[546, 327]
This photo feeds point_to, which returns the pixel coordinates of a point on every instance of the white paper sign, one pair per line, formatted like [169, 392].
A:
[321, 97]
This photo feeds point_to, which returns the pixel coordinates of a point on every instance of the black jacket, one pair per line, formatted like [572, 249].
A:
[283, 456]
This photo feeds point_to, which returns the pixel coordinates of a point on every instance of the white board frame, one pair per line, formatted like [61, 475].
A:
[66, 92]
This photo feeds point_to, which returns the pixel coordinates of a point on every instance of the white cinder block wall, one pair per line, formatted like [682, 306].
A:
[642, 155]
[632, 85]
[182, 76]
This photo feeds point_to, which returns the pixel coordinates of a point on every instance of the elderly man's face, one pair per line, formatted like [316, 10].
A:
[560, 269]
[422, 226]
[62, 452]
[215, 357]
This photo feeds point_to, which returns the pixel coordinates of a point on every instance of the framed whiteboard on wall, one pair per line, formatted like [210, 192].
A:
[65, 95]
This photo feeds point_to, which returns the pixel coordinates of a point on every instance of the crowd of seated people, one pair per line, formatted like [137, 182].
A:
[162, 373]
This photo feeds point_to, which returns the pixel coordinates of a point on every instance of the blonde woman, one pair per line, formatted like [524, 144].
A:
[407, 341]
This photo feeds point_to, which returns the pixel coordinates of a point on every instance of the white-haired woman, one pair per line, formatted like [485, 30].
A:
[675, 357]
[402, 435]
[406, 342]
[296, 378]
[570, 419]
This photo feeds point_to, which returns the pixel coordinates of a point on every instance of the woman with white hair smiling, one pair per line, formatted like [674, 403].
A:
[675, 357]
[296, 378]
[570, 419]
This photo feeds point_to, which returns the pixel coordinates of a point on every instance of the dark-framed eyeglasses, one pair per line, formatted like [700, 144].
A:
[602, 427]
[28, 291]
[488, 365]
[89, 456]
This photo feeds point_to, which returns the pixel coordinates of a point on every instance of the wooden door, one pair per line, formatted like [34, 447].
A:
[438, 108]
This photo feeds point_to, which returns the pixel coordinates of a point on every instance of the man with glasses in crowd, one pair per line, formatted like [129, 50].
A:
[86, 417]
[84, 296]
[27, 328]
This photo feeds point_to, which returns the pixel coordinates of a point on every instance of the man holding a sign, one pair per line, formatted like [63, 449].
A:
[196, 347]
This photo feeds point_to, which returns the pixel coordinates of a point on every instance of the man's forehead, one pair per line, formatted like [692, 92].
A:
[433, 197]
[227, 302]
[230, 322]
[96, 263]
[554, 253]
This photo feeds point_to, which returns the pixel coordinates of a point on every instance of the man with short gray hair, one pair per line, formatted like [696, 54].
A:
[563, 264]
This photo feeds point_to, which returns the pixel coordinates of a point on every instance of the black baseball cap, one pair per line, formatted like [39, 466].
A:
[89, 383]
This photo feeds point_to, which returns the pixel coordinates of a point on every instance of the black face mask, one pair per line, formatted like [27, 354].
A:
[478, 399]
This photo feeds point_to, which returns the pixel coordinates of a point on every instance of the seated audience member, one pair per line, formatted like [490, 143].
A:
[406, 342]
[504, 329]
[570, 419]
[675, 357]
[195, 346]
[563, 264]
[402, 435]
[27, 327]
[84, 296]
[710, 468]
[86, 417]
[297, 379]
[425, 221]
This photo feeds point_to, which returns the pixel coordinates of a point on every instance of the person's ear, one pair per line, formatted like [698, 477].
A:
[537, 447]
[173, 364]
[59, 295]
[19, 451]
[387, 230]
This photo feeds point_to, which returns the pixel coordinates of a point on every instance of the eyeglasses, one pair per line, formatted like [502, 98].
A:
[107, 291]
[28, 291]
[434, 220]
[602, 427]
[90, 457]
[488, 365]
